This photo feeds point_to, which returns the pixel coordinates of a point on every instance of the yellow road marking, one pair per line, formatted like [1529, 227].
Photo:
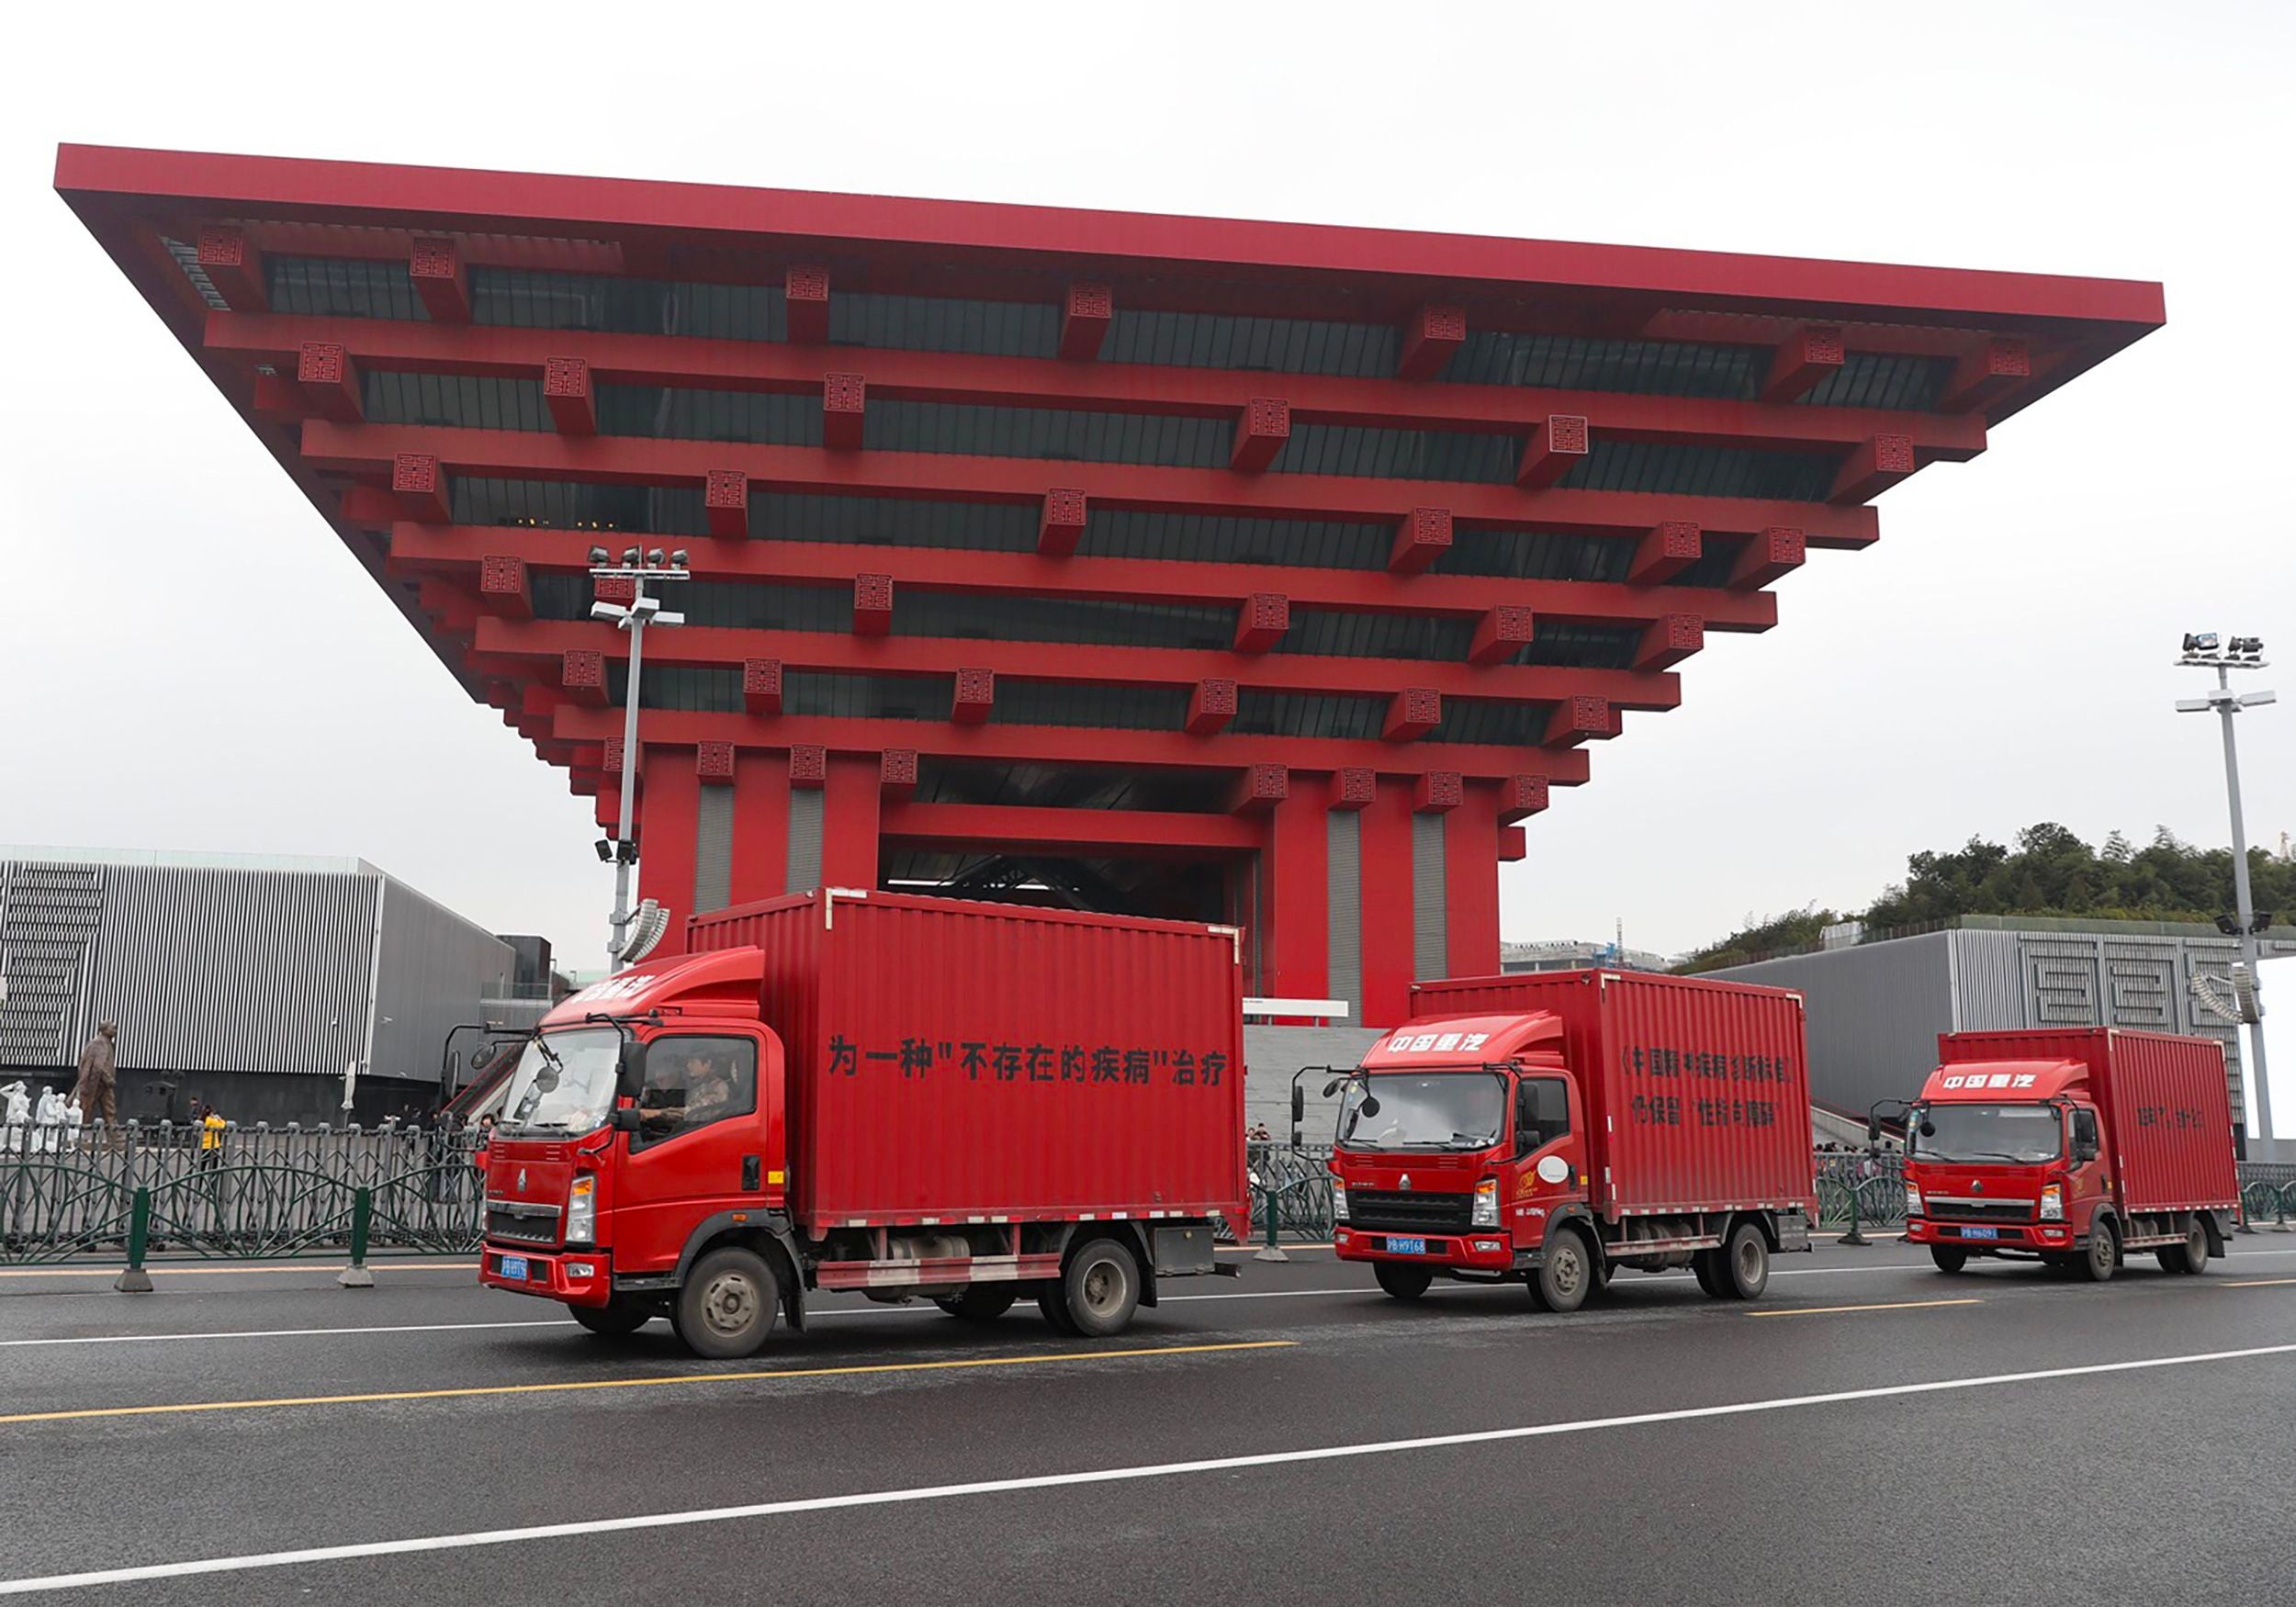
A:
[1830, 1311]
[2262, 1282]
[1027, 1361]
[209, 1269]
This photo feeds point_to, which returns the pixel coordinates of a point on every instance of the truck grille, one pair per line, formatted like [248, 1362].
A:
[525, 1224]
[1979, 1210]
[1380, 1208]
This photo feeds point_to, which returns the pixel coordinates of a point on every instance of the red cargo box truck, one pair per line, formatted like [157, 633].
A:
[906, 1096]
[1555, 1126]
[2073, 1145]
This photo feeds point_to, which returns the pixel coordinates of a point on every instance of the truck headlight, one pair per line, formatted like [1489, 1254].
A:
[1339, 1200]
[1486, 1203]
[581, 1209]
[1913, 1199]
[2052, 1202]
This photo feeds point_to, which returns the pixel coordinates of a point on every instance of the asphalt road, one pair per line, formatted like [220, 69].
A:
[1870, 1431]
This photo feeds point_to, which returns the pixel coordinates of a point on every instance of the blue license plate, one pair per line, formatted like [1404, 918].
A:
[515, 1266]
[1407, 1246]
[1981, 1232]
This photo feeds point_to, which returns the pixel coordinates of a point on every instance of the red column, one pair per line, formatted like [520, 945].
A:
[760, 825]
[665, 861]
[849, 820]
[1295, 949]
[1387, 927]
[1470, 882]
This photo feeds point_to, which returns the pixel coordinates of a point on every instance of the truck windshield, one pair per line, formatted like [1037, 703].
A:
[565, 1081]
[1423, 1110]
[1985, 1133]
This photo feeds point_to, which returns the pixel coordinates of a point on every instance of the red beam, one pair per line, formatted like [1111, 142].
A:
[1514, 845]
[635, 460]
[805, 295]
[957, 377]
[420, 484]
[582, 675]
[566, 391]
[1872, 468]
[1986, 375]
[1210, 706]
[1670, 641]
[1262, 621]
[809, 764]
[1671, 548]
[896, 773]
[1266, 613]
[713, 763]
[872, 604]
[1119, 830]
[1577, 720]
[1430, 337]
[1437, 792]
[1803, 359]
[726, 500]
[975, 696]
[1261, 430]
[761, 685]
[1423, 536]
[1501, 634]
[1767, 555]
[327, 381]
[232, 265]
[1084, 318]
[502, 587]
[436, 266]
[1557, 446]
[1259, 789]
[1412, 714]
[1062, 524]
[844, 403]
[1520, 796]
[1352, 788]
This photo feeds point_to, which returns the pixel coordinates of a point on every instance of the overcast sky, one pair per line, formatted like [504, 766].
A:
[193, 661]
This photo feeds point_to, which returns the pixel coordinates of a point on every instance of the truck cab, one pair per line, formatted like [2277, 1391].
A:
[1460, 1150]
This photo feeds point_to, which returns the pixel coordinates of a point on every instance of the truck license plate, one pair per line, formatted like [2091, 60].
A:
[1406, 1246]
[515, 1266]
[1981, 1232]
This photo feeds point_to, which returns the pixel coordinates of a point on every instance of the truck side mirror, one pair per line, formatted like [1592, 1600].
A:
[1371, 1104]
[630, 1070]
[625, 1118]
[1333, 1087]
[1299, 1103]
[1872, 1130]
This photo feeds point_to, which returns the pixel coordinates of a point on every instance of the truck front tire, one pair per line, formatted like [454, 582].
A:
[1101, 1288]
[612, 1320]
[2103, 1252]
[1949, 1257]
[979, 1303]
[1565, 1273]
[1404, 1283]
[727, 1304]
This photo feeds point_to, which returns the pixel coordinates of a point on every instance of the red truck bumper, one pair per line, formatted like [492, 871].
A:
[1980, 1240]
[1481, 1250]
[577, 1277]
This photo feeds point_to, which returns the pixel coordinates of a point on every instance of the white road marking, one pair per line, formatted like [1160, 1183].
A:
[184, 1567]
[879, 1310]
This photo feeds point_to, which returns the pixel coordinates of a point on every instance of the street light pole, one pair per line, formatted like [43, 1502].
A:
[642, 611]
[2245, 653]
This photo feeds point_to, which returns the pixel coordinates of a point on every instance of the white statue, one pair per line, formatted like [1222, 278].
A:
[72, 1119]
[17, 1110]
[48, 1118]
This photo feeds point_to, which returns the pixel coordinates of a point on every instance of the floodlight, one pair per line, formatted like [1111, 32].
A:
[669, 619]
[614, 612]
[2263, 923]
[2228, 925]
[646, 607]
[646, 929]
[2193, 705]
[2249, 699]
[678, 560]
[629, 558]
[606, 850]
[598, 558]
[2200, 641]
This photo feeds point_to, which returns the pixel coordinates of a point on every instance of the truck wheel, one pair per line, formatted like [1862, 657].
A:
[1949, 1257]
[612, 1320]
[1702, 1266]
[727, 1304]
[979, 1303]
[1405, 1283]
[2103, 1254]
[1054, 1305]
[2192, 1257]
[1102, 1289]
[1744, 1270]
[1564, 1275]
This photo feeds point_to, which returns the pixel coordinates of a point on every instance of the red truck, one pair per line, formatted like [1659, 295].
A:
[905, 1096]
[1555, 1126]
[2073, 1145]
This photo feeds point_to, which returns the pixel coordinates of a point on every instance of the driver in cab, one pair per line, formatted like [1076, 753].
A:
[690, 1092]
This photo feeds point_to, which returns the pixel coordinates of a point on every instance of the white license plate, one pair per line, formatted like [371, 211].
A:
[515, 1266]
[1407, 1246]
[1981, 1232]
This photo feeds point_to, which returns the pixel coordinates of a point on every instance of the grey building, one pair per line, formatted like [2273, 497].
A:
[1875, 1008]
[252, 982]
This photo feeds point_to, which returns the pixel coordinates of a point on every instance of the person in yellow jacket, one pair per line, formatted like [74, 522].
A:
[211, 1126]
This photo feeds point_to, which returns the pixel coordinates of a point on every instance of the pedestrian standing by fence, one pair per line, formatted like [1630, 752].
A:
[96, 1091]
[211, 1126]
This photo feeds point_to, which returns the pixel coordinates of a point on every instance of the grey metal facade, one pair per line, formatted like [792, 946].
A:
[1875, 1009]
[239, 965]
[1343, 901]
[1430, 927]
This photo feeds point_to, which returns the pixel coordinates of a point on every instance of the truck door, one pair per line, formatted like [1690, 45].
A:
[1548, 1148]
[708, 1140]
[2088, 1177]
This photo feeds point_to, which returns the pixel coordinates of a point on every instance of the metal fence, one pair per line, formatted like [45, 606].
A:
[166, 1189]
